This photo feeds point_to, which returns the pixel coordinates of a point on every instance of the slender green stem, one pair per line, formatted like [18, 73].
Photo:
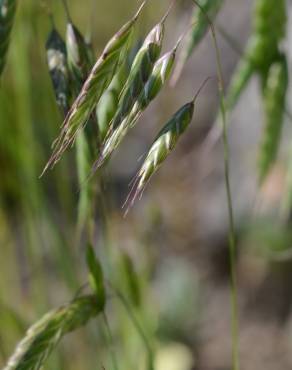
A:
[137, 325]
[232, 240]
[110, 341]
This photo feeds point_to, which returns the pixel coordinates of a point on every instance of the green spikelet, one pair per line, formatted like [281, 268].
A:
[97, 82]
[58, 68]
[106, 111]
[43, 337]
[7, 14]
[198, 32]
[160, 74]
[162, 146]
[109, 101]
[274, 104]
[140, 72]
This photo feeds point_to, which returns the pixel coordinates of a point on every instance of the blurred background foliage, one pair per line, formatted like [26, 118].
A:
[175, 237]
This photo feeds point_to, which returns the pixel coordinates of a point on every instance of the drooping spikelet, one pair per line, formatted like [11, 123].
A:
[93, 88]
[41, 339]
[7, 14]
[160, 74]
[164, 143]
[162, 146]
[140, 72]
[274, 105]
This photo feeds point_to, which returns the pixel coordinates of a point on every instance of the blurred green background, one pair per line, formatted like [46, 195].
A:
[176, 236]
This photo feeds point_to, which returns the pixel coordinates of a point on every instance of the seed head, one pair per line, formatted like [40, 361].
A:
[93, 88]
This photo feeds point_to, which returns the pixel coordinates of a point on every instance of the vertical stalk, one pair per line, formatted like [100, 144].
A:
[137, 326]
[232, 241]
[110, 342]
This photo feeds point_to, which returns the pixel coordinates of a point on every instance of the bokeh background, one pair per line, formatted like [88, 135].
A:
[177, 235]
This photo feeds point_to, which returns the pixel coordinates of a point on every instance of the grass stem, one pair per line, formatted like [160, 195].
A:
[232, 240]
[137, 326]
[110, 341]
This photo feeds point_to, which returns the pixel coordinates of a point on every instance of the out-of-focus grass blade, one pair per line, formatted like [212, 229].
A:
[131, 280]
[274, 103]
[7, 14]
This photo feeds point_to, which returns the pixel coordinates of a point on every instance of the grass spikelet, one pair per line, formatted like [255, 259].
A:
[42, 338]
[140, 72]
[160, 74]
[58, 68]
[106, 111]
[274, 105]
[162, 146]
[198, 32]
[7, 14]
[109, 101]
[93, 88]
